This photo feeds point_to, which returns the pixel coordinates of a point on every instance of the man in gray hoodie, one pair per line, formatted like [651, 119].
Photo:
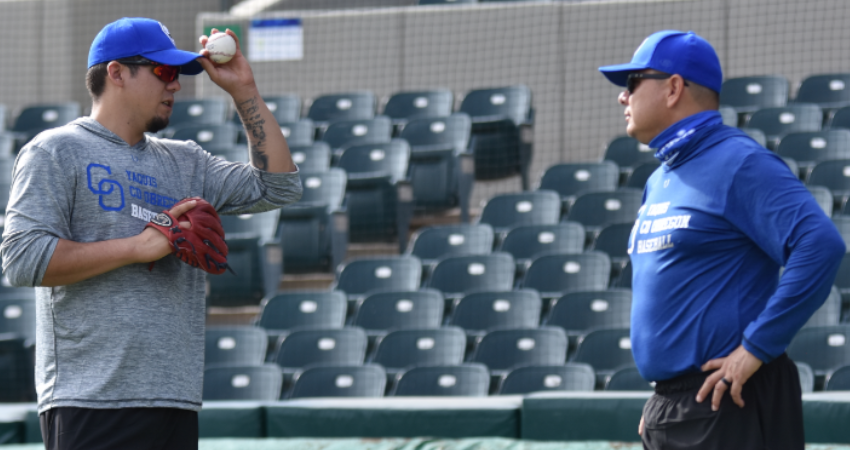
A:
[119, 348]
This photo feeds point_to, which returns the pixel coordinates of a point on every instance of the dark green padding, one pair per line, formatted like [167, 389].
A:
[231, 420]
[582, 417]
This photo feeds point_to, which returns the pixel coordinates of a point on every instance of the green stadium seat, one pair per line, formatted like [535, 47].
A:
[829, 313]
[315, 229]
[343, 134]
[379, 198]
[807, 377]
[842, 223]
[502, 131]
[17, 370]
[833, 175]
[640, 175]
[841, 119]
[625, 278]
[561, 377]
[823, 196]
[36, 118]
[298, 133]
[284, 108]
[628, 379]
[757, 135]
[383, 312]
[825, 349]
[359, 277]
[596, 210]
[312, 158]
[207, 111]
[729, 115]
[342, 106]
[466, 380]
[430, 244]
[254, 255]
[829, 91]
[809, 148]
[405, 106]
[581, 312]
[613, 240]
[778, 122]
[628, 153]
[527, 242]
[441, 170]
[506, 211]
[559, 274]
[402, 349]
[481, 312]
[245, 383]
[285, 312]
[367, 380]
[749, 94]
[235, 345]
[838, 380]
[336, 346]
[573, 179]
[214, 138]
[17, 317]
[607, 351]
[504, 350]
[456, 276]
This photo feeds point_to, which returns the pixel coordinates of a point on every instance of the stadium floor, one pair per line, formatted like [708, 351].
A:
[408, 444]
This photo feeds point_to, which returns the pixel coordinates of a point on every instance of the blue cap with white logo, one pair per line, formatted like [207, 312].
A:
[673, 52]
[148, 38]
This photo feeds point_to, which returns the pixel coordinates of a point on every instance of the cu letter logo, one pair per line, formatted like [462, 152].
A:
[105, 188]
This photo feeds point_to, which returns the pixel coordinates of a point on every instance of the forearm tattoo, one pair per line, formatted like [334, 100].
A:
[249, 111]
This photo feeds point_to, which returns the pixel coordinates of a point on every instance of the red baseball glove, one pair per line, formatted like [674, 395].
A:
[202, 245]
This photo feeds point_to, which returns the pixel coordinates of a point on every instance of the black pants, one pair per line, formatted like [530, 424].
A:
[126, 429]
[772, 416]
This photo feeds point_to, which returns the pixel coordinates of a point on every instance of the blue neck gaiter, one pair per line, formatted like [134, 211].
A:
[672, 140]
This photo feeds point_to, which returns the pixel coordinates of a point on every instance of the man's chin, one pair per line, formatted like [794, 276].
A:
[157, 124]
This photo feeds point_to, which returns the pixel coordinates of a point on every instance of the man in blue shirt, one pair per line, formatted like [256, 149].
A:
[720, 217]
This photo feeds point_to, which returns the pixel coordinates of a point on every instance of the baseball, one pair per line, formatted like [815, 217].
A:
[222, 47]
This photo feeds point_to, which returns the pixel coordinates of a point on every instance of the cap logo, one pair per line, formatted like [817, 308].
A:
[165, 30]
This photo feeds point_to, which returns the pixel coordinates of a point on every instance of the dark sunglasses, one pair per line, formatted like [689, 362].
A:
[632, 79]
[164, 72]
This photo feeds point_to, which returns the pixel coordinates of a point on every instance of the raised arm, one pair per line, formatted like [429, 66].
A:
[267, 146]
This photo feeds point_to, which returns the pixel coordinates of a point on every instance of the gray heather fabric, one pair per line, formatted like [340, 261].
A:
[131, 337]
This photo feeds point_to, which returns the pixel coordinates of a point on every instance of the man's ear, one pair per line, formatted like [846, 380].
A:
[115, 74]
[675, 90]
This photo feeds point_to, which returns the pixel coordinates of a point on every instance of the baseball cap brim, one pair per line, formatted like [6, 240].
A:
[174, 57]
[618, 74]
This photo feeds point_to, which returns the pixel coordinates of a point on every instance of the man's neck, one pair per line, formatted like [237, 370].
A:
[118, 121]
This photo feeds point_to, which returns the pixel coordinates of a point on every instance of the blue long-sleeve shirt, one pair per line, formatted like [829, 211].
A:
[715, 227]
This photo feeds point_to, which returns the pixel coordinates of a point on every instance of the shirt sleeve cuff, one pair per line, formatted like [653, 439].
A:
[757, 352]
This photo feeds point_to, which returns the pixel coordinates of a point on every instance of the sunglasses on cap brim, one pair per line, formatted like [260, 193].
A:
[164, 72]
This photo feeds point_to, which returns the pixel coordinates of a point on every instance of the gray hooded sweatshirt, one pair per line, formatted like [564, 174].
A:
[132, 337]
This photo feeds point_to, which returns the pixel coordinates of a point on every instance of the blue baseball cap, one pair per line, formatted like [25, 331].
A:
[148, 38]
[673, 52]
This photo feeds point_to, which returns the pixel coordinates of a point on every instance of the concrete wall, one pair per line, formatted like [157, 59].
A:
[553, 47]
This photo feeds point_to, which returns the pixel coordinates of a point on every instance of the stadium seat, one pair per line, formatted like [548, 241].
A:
[219, 138]
[757, 135]
[254, 255]
[613, 240]
[833, 175]
[466, 380]
[823, 197]
[573, 179]
[403, 349]
[841, 119]
[358, 277]
[382, 312]
[628, 153]
[342, 106]
[792, 165]
[640, 175]
[842, 279]
[526, 242]
[778, 122]
[504, 350]
[289, 311]
[343, 134]
[606, 350]
[285, 108]
[298, 133]
[749, 94]
[810, 148]
[315, 230]
[559, 274]
[480, 312]
[628, 379]
[17, 370]
[829, 91]
[561, 377]
[459, 275]
[312, 158]
[829, 313]
[807, 377]
[7, 291]
[838, 380]
[255, 383]
[624, 280]
[502, 131]
[507, 211]
[337, 346]
[842, 223]
[433, 243]
[405, 106]
[17, 317]
[441, 168]
[36, 118]
[825, 349]
[596, 210]
[581, 312]
[239, 346]
[729, 115]
[207, 111]
[367, 380]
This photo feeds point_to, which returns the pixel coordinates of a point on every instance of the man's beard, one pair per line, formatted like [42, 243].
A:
[157, 124]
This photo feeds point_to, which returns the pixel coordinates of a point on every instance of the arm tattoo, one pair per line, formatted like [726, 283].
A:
[249, 111]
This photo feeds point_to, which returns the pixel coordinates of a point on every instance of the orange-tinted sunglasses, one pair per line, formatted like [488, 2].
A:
[164, 72]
